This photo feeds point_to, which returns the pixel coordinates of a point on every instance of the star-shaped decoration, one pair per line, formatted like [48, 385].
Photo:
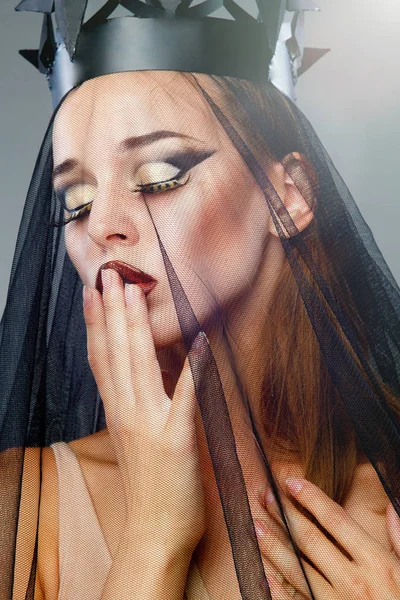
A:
[43, 6]
[69, 16]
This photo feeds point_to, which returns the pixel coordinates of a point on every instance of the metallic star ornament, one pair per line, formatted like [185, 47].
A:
[69, 16]
[291, 58]
[43, 6]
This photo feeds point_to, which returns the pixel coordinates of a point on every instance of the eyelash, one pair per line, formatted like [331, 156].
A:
[161, 186]
[185, 161]
[147, 188]
[78, 213]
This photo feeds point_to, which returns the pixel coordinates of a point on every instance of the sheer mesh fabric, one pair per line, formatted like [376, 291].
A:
[333, 305]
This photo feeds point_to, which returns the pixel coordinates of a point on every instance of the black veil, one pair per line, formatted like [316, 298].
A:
[351, 309]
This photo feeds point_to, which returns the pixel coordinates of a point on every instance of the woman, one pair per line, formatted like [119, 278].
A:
[256, 355]
[148, 473]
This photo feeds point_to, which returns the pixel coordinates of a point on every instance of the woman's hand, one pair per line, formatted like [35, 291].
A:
[393, 527]
[366, 570]
[154, 437]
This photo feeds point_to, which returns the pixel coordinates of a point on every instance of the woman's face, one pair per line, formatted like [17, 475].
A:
[122, 131]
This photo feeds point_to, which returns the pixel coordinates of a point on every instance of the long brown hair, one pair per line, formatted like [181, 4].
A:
[309, 417]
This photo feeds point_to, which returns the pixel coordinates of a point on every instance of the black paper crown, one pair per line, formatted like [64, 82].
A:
[175, 35]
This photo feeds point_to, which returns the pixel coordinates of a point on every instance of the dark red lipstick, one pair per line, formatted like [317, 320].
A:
[128, 274]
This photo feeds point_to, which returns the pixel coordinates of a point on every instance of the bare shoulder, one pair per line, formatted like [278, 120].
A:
[367, 502]
[367, 489]
[39, 500]
[40, 480]
[91, 449]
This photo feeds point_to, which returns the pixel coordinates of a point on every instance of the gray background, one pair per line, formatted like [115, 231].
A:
[351, 97]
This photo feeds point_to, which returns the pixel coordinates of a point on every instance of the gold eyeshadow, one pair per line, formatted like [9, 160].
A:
[151, 178]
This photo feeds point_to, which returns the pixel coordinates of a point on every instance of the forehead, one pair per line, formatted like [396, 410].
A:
[111, 108]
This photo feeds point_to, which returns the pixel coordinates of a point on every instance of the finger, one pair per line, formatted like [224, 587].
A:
[282, 591]
[97, 342]
[281, 556]
[275, 525]
[183, 406]
[311, 541]
[393, 526]
[146, 374]
[276, 580]
[117, 334]
[343, 528]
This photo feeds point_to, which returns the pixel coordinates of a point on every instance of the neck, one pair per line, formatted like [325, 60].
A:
[238, 351]
[238, 345]
[219, 575]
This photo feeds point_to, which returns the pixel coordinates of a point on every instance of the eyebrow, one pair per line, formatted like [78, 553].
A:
[65, 167]
[150, 138]
[129, 143]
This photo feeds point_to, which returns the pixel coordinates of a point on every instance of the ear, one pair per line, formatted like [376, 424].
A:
[296, 183]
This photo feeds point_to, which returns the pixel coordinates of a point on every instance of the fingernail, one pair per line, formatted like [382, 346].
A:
[294, 485]
[87, 297]
[132, 292]
[269, 496]
[259, 530]
[200, 340]
[200, 345]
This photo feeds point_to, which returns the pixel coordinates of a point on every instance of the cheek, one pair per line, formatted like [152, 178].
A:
[75, 249]
[234, 242]
[223, 235]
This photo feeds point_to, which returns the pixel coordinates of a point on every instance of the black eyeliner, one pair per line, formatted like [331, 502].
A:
[188, 159]
[60, 193]
[182, 160]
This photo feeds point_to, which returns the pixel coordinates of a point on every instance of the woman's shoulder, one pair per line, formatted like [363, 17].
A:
[367, 490]
[39, 481]
[93, 449]
[367, 502]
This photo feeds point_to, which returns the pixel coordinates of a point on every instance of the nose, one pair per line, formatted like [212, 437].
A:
[116, 217]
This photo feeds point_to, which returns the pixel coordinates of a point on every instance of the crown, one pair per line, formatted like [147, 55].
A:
[217, 37]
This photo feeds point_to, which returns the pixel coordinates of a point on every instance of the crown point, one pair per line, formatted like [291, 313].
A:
[69, 16]
[294, 5]
[43, 6]
[311, 56]
[32, 56]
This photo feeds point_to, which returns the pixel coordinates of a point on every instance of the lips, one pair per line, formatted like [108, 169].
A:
[128, 274]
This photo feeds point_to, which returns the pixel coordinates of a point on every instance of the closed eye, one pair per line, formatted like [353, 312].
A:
[72, 215]
[162, 186]
[179, 164]
[168, 174]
